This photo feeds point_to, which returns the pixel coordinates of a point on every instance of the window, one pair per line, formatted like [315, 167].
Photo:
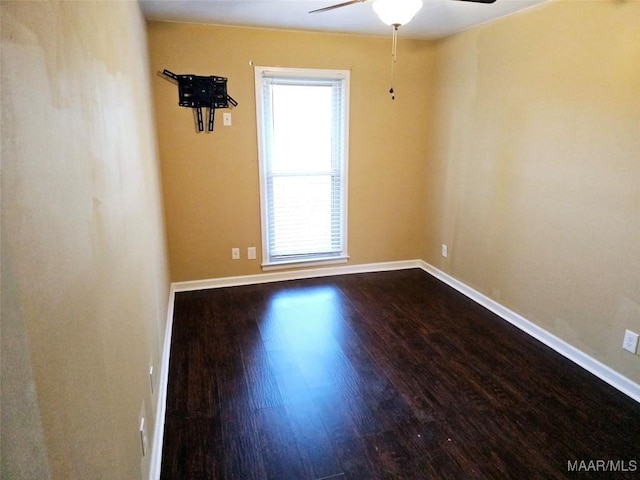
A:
[302, 118]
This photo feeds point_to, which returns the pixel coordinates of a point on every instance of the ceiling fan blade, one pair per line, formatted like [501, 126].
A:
[351, 2]
[339, 5]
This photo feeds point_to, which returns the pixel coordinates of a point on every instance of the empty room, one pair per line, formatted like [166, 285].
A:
[281, 240]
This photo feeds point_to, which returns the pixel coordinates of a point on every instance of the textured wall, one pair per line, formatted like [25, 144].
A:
[84, 271]
[211, 181]
[535, 176]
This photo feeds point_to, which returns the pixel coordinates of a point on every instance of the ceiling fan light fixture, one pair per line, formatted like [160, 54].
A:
[396, 12]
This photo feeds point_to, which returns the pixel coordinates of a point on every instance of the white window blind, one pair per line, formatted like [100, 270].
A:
[302, 128]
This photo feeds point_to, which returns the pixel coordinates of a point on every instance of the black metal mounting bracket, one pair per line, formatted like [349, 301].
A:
[199, 92]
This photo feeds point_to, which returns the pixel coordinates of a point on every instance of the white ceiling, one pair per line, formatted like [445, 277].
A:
[436, 19]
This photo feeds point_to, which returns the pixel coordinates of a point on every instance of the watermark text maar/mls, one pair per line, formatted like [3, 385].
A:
[602, 465]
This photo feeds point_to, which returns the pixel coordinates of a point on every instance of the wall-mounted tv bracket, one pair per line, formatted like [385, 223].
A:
[196, 92]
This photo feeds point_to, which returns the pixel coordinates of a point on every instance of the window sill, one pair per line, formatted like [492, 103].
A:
[304, 263]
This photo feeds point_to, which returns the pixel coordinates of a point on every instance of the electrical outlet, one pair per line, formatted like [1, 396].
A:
[151, 379]
[630, 342]
[144, 441]
[251, 253]
[445, 250]
[144, 436]
[235, 254]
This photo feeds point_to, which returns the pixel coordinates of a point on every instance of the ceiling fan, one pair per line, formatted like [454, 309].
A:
[351, 2]
[395, 13]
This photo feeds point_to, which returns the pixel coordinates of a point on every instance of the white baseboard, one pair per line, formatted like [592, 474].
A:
[293, 275]
[163, 380]
[600, 370]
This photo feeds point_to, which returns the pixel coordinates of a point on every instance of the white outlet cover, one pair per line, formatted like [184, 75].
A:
[142, 424]
[630, 342]
[144, 441]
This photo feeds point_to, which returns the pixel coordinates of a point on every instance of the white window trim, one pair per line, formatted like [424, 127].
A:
[345, 75]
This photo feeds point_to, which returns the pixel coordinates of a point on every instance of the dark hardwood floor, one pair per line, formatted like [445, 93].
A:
[378, 376]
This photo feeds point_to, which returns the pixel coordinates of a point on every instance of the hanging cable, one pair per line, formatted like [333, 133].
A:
[394, 49]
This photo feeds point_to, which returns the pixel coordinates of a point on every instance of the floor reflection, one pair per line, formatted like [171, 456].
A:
[300, 328]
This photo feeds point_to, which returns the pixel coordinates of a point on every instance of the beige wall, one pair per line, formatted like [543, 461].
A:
[527, 166]
[84, 273]
[211, 181]
[535, 176]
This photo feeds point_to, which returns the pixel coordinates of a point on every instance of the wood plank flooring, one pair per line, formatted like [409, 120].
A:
[378, 376]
